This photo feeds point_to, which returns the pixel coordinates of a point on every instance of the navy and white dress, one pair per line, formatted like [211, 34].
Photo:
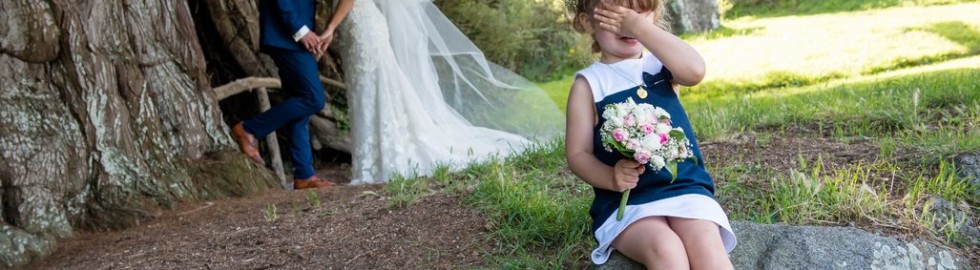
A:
[691, 195]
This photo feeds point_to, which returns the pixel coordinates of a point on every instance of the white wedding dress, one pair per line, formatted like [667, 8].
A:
[421, 95]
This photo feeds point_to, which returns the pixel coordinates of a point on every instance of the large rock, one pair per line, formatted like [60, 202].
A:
[949, 217]
[767, 246]
[693, 16]
[968, 165]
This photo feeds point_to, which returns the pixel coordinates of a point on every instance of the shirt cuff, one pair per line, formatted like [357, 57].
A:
[301, 33]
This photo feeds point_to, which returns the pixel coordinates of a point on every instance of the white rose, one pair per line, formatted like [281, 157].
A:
[609, 114]
[622, 111]
[651, 143]
[661, 128]
[657, 162]
[645, 107]
[644, 117]
[614, 115]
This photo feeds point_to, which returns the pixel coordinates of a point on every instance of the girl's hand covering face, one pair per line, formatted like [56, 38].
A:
[621, 20]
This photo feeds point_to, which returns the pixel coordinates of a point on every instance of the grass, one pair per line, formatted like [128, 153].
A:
[403, 191]
[905, 79]
[270, 213]
[804, 50]
[557, 90]
[773, 8]
[539, 214]
[859, 108]
[723, 31]
[840, 197]
[313, 198]
[850, 195]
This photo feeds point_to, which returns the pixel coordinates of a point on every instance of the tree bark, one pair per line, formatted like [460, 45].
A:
[106, 115]
[693, 16]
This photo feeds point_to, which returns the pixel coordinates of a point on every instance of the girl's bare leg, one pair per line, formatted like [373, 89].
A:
[702, 242]
[651, 242]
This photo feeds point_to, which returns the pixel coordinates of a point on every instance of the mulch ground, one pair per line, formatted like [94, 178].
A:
[353, 228]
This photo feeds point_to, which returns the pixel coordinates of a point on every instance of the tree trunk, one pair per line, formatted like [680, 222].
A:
[106, 115]
[693, 16]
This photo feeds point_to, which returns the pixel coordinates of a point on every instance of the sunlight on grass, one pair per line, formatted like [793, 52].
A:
[723, 31]
[759, 8]
[958, 32]
[835, 44]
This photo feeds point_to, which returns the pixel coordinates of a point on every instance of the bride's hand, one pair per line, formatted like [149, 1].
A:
[311, 42]
[621, 20]
[325, 40]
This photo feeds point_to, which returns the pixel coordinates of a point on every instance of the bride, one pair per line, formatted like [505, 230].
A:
[422, 95]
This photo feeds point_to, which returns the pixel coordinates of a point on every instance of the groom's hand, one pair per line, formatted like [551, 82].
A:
[311, 42]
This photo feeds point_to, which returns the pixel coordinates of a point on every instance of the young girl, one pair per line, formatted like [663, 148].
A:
[666, 225]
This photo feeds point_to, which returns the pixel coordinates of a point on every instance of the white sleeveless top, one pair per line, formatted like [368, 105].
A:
[608, 79]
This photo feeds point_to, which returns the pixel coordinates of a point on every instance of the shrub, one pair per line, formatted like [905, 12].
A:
[532, 37]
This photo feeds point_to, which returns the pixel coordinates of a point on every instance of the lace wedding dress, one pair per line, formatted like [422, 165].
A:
[421, 95]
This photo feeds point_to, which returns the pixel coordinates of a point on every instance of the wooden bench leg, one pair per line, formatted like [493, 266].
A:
[273, 142]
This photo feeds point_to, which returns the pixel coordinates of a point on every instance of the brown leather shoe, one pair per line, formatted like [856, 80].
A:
[312, 182]
[247, 143]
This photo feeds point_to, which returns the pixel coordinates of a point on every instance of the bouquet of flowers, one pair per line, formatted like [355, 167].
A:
[643, 132]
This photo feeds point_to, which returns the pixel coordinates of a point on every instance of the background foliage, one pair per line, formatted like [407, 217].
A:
[532, 37]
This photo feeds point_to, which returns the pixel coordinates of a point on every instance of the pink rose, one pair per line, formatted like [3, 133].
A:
[663, 139]
[629, 120]
[642, 157]
[632, 144]
[619, 135]
[647, 129]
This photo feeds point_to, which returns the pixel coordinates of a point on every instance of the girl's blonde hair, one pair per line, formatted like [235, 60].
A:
[583, 10]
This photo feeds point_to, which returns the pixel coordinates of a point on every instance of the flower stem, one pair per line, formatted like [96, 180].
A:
[622, 205]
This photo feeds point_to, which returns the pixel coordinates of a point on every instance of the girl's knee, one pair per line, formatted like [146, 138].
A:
[666, 256]
[669, 260]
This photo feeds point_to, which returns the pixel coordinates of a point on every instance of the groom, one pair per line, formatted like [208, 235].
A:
[286, 37]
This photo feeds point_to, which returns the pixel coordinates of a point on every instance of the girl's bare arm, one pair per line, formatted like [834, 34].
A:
[581, 118]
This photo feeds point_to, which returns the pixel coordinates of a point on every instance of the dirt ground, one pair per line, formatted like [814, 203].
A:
[354, 228]
[351, 229]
